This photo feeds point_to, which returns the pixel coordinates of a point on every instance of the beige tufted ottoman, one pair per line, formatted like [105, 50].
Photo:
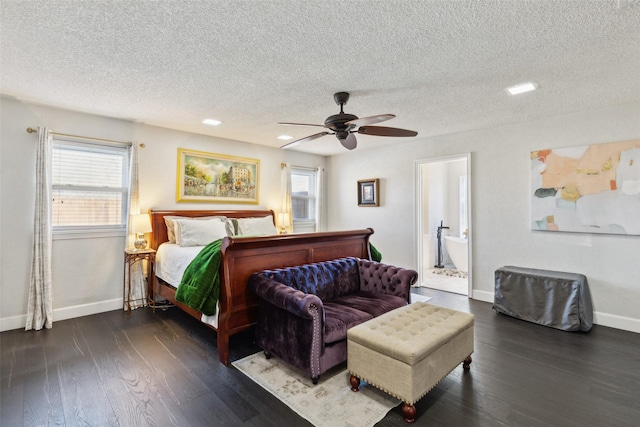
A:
[407, 351]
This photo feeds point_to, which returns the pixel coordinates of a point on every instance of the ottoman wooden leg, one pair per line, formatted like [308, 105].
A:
[409, 412]
[355, 383]
[466, 364]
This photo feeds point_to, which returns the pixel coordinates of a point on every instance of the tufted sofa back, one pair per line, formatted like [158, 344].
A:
[376, 277]
[327, 280]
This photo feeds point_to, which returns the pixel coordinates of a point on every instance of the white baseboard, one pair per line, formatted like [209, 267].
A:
[482, 296]
[615, 321]
[602, 319]
[19, 322]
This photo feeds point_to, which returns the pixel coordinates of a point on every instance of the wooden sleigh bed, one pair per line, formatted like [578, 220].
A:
[242, 256]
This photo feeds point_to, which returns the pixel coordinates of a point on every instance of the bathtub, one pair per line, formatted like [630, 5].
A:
[458, 252]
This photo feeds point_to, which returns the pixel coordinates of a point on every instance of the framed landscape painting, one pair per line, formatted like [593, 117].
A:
[589, 189]
[217, 178]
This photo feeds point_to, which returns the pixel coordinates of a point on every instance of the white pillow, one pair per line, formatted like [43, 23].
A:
[169, 220]
[198, 232]
[229, 226]
[256, 226]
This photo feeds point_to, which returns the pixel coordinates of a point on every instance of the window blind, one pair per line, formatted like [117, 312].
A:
[303, 197]
[90, 185]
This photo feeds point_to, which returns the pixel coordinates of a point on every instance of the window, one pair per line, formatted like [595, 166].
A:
[303, 195]
[90, 186]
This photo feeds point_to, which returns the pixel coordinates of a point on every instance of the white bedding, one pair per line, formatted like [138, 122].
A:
[171, 261]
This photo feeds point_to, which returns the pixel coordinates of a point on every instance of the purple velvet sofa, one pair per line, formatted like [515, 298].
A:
[305, 311]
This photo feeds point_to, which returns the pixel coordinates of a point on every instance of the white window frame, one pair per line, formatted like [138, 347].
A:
[94, 231]
[311, 197]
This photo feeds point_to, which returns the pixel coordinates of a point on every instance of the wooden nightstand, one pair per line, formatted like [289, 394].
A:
[131, 256]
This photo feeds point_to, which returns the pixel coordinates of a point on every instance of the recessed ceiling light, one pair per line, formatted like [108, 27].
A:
[212, 122]
[285, 137]
[626, 3]
[524, 87]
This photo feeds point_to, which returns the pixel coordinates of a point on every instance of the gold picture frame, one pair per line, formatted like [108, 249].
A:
[217, 178]
[368, 192]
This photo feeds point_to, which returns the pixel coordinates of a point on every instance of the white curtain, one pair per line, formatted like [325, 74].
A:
[40, 304]
[285, 187]
[138, 286]
[319, 199]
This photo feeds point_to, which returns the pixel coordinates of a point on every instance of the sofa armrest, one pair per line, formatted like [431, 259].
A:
[282, 296]
[386, 279]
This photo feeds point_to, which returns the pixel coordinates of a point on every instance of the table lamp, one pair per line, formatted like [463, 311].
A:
[140, 224]
[283, 220]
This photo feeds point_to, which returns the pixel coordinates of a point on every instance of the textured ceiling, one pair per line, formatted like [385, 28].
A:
[440, 66]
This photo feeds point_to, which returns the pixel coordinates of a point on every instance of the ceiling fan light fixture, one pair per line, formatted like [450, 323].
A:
[344, 126]
[211, 122]
[342, 135]
[522, 88]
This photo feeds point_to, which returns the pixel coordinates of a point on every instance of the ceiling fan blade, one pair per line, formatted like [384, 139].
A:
[350, 142]
[305, 139]
[370, 120]
[386, 131]
[299, 124]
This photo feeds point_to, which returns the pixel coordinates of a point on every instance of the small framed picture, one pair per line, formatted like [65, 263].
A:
[368, 192]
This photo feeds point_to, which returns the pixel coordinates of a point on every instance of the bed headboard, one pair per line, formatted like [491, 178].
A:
[159, 227]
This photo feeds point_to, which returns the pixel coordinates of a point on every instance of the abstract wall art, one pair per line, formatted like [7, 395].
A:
[587, 189]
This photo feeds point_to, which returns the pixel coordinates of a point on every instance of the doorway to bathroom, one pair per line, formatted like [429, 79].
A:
[443, 223]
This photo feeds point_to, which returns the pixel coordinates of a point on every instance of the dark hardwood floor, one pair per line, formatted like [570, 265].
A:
[162, 369]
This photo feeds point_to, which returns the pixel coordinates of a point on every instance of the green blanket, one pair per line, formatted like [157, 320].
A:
[200, 285]
[375, 254]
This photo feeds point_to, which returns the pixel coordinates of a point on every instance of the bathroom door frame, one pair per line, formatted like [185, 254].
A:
[419, 215]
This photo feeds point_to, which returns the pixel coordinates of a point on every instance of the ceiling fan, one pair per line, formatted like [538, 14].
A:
[344, 126]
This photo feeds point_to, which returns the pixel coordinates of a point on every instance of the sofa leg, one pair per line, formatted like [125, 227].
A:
[315, 379]
[267, 354]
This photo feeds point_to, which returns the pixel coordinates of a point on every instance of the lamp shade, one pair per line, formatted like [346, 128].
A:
[141, 223]
[283, 219]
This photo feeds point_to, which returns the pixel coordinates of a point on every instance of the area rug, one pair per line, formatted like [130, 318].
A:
[329, 403]
[450, 272]
[417, 297]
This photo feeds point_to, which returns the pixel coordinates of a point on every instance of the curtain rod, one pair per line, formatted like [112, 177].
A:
[32, 130]
[284, 165]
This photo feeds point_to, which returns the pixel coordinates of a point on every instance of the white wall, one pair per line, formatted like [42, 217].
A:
[500, 220]
[441, 198]
[87, 273]
[455, 169]
[437, 205]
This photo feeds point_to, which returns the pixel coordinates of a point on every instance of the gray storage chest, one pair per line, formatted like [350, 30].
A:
[551, 298]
